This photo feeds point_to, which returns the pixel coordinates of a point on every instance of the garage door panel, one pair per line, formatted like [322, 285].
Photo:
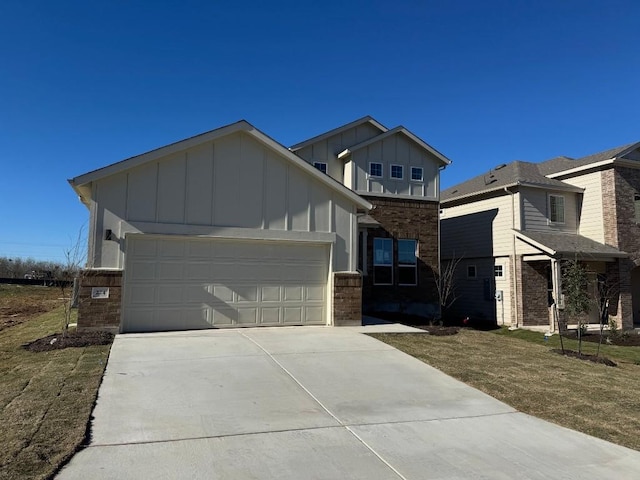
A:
[186, 283]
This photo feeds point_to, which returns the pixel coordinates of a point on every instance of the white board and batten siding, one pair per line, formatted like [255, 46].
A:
[228, 232]
[395, 150]
[233, 184]
[326, 150]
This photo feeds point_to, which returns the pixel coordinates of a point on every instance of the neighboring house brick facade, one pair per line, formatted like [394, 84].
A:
[561, 209]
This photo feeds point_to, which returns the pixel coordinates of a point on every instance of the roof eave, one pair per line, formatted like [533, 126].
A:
[335, 131]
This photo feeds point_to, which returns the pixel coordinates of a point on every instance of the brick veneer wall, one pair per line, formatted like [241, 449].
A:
[405, 219]
[347, 299]
[533, 302]
[619, 184]
[100, 313]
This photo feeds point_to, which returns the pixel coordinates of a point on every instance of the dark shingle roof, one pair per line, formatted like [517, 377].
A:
[567, 244]
[560, 164]
[514, 173]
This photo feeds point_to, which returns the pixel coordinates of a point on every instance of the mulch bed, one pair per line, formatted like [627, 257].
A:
[584, 356]
[72, 339]
[437, 330]
[621, 339]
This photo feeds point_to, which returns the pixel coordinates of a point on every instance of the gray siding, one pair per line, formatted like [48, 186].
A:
[535, 210]
[234, 181]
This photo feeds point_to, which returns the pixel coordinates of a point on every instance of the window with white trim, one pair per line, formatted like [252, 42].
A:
[556, 209]
[498, 271]
[471, 271]
[636, 206]
[407, 262]
[383, 261]
[322, 166]
[417, 174]
[375, 170]
[397, 172]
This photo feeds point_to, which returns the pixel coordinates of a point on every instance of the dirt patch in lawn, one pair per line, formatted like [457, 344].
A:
[18, 303]
[586, 356]
[72, 339]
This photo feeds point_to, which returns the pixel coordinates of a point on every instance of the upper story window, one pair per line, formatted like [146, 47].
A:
[397, 172]
[556, 209]
[383, 261]
[417, 174]
[407, 262]
[471, 271]
[322, 166]
[636, 206]
[375, 169]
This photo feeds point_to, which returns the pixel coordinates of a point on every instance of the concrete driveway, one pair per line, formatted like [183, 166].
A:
[314, 403]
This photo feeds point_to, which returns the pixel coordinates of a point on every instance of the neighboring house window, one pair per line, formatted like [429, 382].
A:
[636, 206]
[382, 261]
[471, 271]
[397, 172]
[498, 271]
[417, 174]
[321, 166]
[407, 262]
[556, 209]
[375, 170]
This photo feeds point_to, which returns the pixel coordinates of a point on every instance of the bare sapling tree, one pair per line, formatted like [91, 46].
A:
[576, 292]
[74, 259]
[606, 292]
[445, 281]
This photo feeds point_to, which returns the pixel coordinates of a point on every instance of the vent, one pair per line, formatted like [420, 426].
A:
[502, 165]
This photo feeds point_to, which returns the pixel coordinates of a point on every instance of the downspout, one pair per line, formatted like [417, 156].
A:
[514, 279]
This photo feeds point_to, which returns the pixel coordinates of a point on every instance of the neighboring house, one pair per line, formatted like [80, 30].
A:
[398, 240]
[513, 226]
[230, 228]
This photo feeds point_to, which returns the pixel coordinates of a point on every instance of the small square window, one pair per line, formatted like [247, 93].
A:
[471, 271]
[375, 170]
[417, 174]
[498, 271]
[397, 172]
[321, 166]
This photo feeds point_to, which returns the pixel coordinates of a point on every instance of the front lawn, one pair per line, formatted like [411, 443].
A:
[592, 398]
[45, 398]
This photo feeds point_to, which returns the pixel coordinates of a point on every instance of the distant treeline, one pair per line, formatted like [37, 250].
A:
[34, 281]
[30, 269]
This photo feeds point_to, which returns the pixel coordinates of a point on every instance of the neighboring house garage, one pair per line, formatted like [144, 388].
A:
[224, 229]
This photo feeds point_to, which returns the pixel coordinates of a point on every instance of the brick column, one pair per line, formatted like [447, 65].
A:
[347, 299]
[100, 313]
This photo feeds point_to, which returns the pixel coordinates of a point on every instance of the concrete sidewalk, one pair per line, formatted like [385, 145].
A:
[314, 403]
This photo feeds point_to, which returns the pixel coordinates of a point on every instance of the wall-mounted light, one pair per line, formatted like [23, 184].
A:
[108, 234]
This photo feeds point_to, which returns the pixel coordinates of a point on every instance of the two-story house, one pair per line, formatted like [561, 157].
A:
[398, 239]
[232, 229]
[512, 227]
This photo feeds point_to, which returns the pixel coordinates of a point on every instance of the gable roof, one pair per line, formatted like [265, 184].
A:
[516, 173]
[558, 166]
[568, 244]
[395, 131]
[336, 131]
[80, 182]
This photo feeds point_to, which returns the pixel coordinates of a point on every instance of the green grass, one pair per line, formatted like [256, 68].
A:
[592, 398]
[612, 352]
[45, 398]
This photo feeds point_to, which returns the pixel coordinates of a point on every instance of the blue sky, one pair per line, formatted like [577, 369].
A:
[85, 84]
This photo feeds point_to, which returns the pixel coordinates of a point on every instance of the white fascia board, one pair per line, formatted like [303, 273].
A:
[559, 188]
[582, 168]
[477, 194]
[335, 131]
[538, 245]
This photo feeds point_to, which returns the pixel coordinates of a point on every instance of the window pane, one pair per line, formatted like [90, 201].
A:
[416, 173]
[407, 252]
[471, 271]
[497, 270]
[382, 275]
[321, 166]
[636, 205]
[556, 207]
[375, 169]
[396, 171]
[382, 251]
[407, 275]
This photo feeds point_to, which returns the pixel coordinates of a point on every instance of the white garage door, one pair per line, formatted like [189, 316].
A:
[188, 283]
